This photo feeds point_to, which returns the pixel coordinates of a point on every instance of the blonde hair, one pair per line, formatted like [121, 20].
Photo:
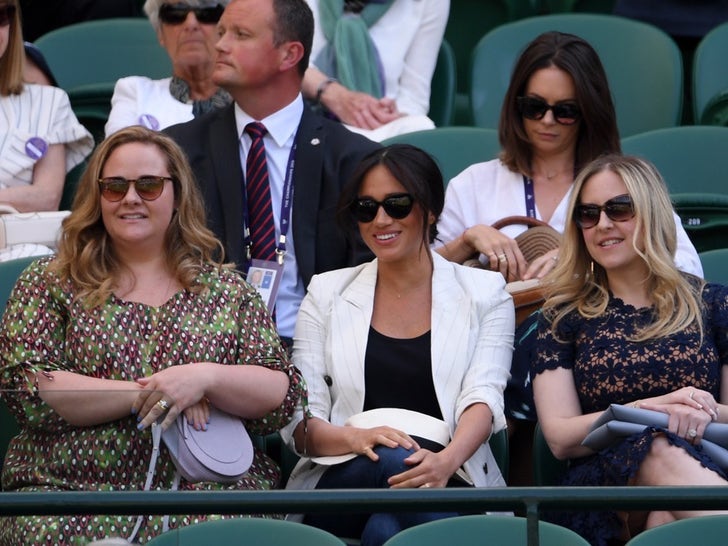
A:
[85, 252]
[578, 283]
[13, 61]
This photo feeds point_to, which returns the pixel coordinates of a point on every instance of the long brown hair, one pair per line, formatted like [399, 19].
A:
[598, 133]
[12, 62]
[85, 252]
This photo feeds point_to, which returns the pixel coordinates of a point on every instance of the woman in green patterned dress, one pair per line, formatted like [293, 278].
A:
[133, 321]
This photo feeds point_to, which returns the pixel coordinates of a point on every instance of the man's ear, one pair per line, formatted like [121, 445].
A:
[292, 53]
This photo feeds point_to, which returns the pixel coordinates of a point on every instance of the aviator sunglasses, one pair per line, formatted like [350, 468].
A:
[7, 13]
[176, 14]
[617, 209]
[149, 188]
[396, 206]
[565, 113]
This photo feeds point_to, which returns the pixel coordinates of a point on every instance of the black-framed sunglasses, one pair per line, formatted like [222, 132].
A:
[565, 113]
[7, 13]
[617, 209]
[176, 14]
[397, 206]
[149, 188]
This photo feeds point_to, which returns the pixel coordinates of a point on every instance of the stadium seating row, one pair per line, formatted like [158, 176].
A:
[644, 67]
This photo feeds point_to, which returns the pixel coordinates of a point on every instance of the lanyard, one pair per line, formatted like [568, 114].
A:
[530, 197]
[286, 204]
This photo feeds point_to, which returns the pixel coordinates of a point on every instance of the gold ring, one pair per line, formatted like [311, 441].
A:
[163, 404]
[502, 258]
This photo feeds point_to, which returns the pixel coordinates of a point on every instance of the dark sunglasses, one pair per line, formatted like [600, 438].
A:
[176, 14]
[617, 209]
[149, 188]
[396, 206]
[565, 113]
[7, 13]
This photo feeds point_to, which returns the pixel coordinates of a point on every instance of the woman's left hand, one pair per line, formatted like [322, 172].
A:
[684, 421]
[170, 391]
[542, 265]
[428, 470]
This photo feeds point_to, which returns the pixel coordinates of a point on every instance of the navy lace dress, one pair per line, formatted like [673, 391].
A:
[609, 369]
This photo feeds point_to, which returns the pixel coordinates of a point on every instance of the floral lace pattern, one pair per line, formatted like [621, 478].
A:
[610, 369]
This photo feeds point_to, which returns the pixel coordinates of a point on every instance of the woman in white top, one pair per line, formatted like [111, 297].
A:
[382, 88]
[40, 137]
[410, 331]
[187, 29]
[557, 116]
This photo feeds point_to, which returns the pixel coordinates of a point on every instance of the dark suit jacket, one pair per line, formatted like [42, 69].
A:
[326, 155]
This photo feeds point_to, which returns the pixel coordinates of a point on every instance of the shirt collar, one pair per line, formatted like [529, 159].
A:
[281, 125]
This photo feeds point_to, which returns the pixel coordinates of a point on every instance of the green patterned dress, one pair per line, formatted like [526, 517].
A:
[46, 328]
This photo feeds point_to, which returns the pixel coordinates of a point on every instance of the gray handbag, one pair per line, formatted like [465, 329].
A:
[223, 453]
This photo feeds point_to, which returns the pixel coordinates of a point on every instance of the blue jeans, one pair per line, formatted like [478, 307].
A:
[363, 473]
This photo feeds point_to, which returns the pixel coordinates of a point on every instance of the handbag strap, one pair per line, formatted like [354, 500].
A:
[518, 220]
[156, 441]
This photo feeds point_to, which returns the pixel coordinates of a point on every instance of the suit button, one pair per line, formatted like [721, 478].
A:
[327, 380]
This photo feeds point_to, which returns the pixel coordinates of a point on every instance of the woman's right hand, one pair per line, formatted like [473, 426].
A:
[502, 251]
[363, 440]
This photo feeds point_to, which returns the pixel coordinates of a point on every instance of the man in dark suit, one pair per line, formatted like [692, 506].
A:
[263, 52]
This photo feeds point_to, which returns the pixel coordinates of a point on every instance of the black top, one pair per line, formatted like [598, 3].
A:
[398, 374]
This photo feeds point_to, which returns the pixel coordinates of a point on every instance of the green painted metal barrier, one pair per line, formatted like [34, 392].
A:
[530, 499]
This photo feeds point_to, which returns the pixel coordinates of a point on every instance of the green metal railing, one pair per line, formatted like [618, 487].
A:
[530, 500]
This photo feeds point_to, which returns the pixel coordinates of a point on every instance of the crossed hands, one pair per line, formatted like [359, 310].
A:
[170, 392]
[359, 109]
[504, 255]
[428, 469]
[690, 411]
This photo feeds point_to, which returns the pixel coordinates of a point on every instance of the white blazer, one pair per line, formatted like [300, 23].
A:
[472, 327]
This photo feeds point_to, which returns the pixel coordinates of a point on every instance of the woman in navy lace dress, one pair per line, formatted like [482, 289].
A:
[622, 325]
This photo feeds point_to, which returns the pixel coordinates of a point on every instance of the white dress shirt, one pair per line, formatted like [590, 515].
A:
[282, 127]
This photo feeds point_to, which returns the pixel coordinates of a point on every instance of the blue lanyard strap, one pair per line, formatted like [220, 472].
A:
[286, 204]
[530, 197]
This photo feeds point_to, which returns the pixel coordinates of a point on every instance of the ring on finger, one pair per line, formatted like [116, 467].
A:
[425, 485]
[692, 393]
[692, 433]
[163, 404]
[502, 258]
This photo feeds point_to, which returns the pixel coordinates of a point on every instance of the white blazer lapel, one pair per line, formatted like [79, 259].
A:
[351, 316]
[450, 335]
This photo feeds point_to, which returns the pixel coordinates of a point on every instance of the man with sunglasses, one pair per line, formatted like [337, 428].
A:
[263, 52]
[186, 29]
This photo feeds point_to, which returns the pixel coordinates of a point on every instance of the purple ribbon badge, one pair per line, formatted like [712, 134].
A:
[35, 148]
[149, 121]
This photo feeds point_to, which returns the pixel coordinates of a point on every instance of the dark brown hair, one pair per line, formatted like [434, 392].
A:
[414, 169]
[598, 132]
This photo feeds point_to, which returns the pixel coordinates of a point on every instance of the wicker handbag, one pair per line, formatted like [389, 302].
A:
[538, 239]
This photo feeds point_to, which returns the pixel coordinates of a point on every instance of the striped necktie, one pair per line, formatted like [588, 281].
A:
[260, 207]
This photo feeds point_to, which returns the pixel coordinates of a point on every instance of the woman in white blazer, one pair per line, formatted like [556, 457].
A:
[408, 330]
